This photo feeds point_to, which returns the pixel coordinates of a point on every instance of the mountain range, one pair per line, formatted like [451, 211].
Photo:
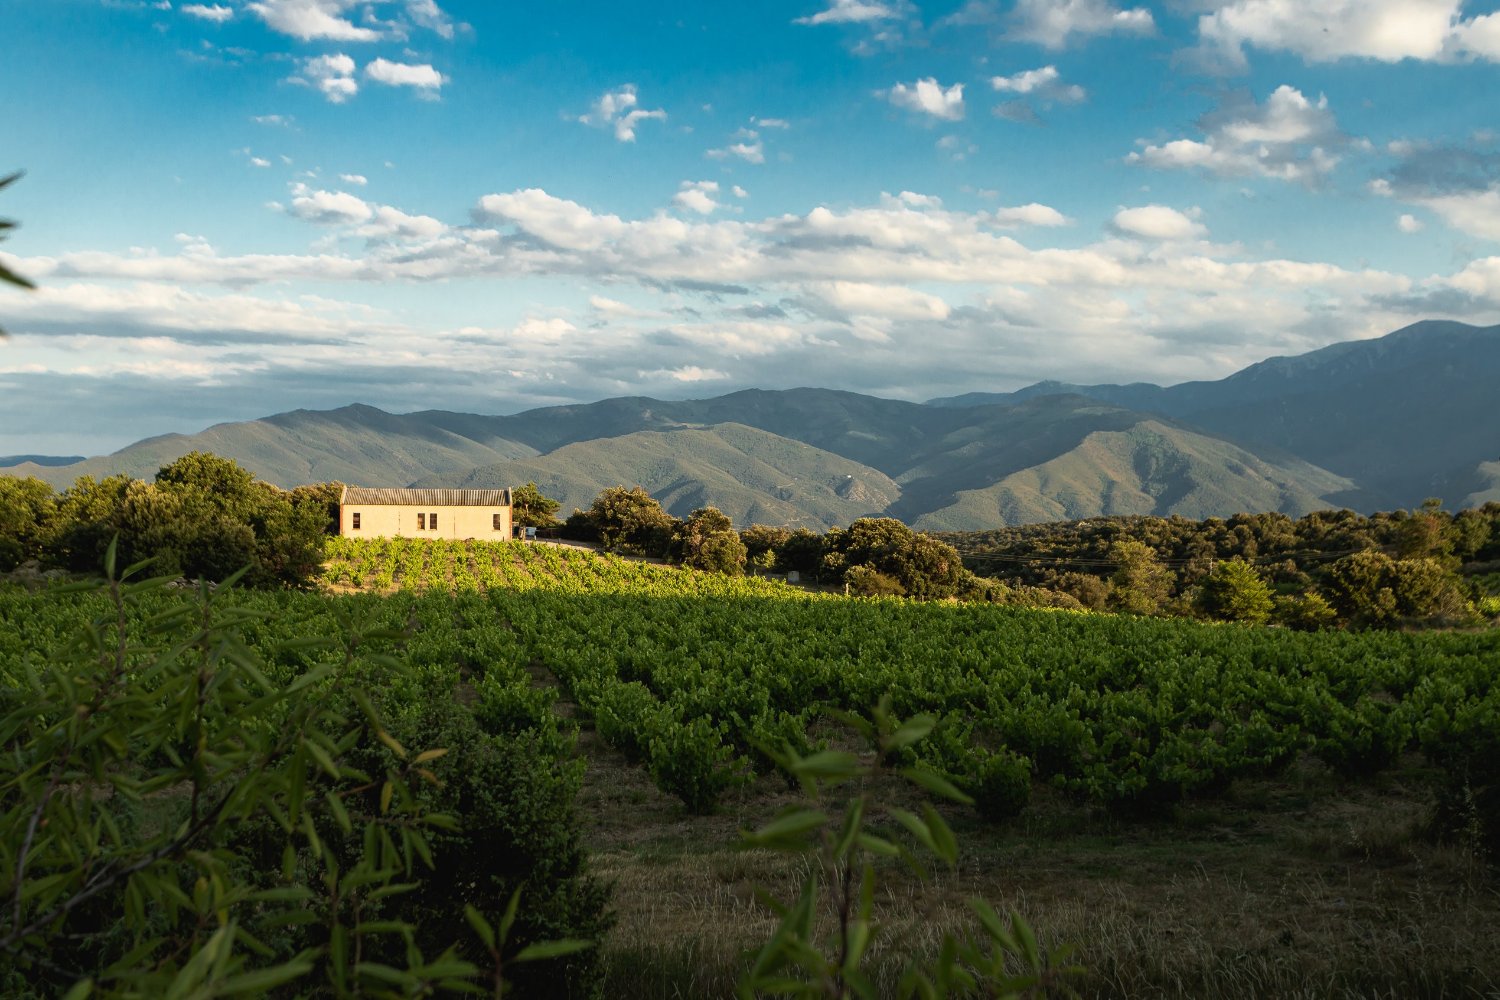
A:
[1370, 424]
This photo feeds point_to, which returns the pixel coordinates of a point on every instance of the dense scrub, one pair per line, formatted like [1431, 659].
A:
[1426, 566]
[221, 793]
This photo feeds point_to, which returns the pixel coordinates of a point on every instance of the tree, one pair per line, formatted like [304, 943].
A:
[923, 566]
[1141, 584]
[6, 274]
[1371, 589]
[27, 511]
[530, 509]
[1234, 592]
[802, 552]
[630, 520]
[707, 540]
[1425, 533]
[762, 542]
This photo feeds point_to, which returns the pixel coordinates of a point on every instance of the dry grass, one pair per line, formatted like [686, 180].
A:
[1301, 887]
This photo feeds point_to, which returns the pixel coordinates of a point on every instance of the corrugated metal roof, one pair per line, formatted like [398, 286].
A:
[382, 496]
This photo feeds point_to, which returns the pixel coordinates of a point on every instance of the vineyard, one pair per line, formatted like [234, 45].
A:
[696, 676]
[387, 564]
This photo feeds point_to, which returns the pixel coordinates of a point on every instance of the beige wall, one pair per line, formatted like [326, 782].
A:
[392, 521]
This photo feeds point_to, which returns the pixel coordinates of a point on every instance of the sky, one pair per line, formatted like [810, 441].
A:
[234, 208]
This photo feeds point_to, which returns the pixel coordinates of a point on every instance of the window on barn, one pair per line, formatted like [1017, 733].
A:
[421, 522]
[432, 520]
[355, 524]
[496, 522]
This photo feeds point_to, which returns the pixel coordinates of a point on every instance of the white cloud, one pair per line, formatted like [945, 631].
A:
[1043, 82]
[328, 207]
[429, 15]
[358, 179]
[1033, 214]
[770, 123]
[283, 121]
[889, 301]
[617, 109]
[749, 148]
[1474, 212]
[386, 222]
[423, 78]
[686, 373]
[1288, 138]
[739, 192]
[312, 19]
[216, 13]
[1053, 24]
[259, 161]
[1324, 30]
[929, 97]
[698, 196]
[332, 74]
[851, 12]
[877, 297]
[1159, 222]
[1408, 223]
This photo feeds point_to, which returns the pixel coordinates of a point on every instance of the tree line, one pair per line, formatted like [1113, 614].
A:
[203, 516]
[1325, 569]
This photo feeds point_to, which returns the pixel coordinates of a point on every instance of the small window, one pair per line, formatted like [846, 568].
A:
[432, 520]
[354, 524]
[421, 522]
[496, 522]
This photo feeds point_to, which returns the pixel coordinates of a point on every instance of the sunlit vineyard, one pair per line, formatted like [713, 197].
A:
[387, 564]
[694, 675]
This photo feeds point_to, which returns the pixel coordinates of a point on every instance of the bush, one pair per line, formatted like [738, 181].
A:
[1234, 592]
[513, 798]
[865, 581]
[999, 783]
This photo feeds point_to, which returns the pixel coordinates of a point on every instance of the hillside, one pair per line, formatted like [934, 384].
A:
[1150, 468]
[1405, 416]
[358, 444]
[751, 475]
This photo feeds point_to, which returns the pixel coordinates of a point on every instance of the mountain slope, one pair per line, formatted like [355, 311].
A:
[358, 444]
[1396, 414]
[1147, 468]
[749, 474]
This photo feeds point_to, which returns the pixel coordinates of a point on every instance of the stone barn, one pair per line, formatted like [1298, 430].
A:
[367, 512]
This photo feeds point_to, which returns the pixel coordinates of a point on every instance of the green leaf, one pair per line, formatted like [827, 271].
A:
[262, 981]
[828, 765]
[788, 830]
[944, 842]
[481, 926]
[909, 732]
[917, 828]
[552, 949]
[937, 784]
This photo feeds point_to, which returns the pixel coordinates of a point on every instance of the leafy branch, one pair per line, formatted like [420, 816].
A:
[6, 274]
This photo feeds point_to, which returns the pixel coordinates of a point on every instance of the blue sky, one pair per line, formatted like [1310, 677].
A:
[238, 207]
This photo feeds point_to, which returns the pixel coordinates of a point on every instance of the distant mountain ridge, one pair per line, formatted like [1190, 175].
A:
[1367, 424]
